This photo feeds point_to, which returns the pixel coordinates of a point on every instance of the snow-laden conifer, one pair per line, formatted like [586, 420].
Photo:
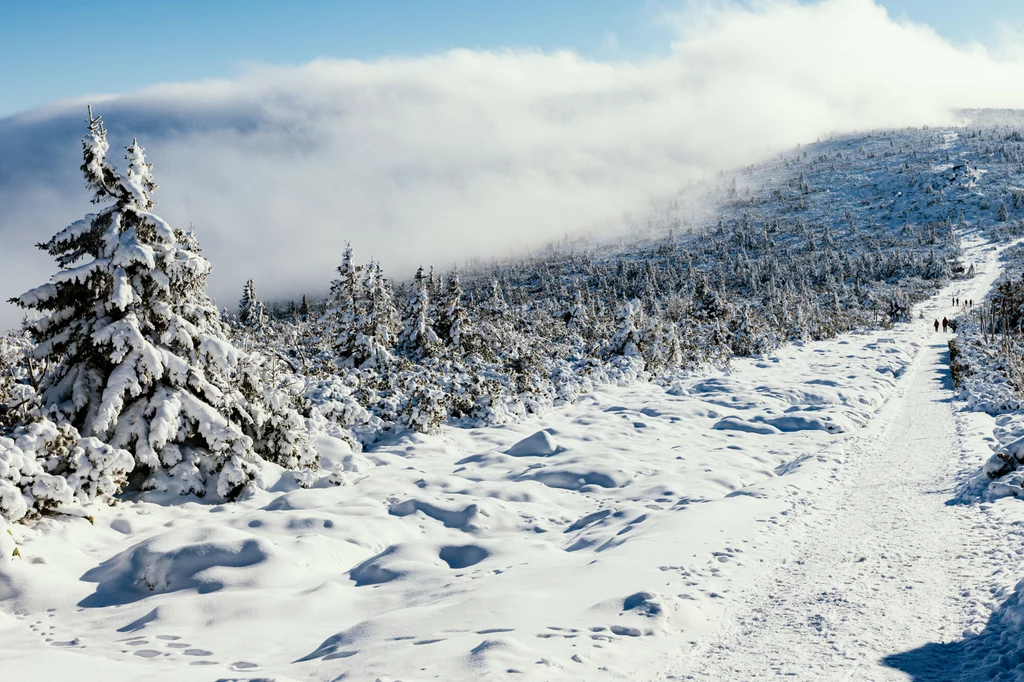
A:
[628, 336]
[578, 317]
[138, 357]
[340, 318]
[418, 338]
[375, 322]
[454, 325]
[251, 311]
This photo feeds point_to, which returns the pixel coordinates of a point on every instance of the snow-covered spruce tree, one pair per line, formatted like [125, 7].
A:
[496, 327]
[251, 311]
[745, 335]
[375, 322]
[711, 313]
[454, 325]
[340, 318]
[494, 307]
[672, 347]
[659, 341]
[418, 338]
[628, 336]
[138, 356]
[577, 318]
[270, 415]
[427, 406]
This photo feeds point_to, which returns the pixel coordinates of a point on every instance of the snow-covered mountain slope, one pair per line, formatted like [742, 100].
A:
[631, 533]
[710, 526]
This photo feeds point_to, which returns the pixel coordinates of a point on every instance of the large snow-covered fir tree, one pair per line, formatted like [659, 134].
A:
[138, 356]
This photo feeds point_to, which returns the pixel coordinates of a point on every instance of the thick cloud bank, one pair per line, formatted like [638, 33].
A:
[440, 158]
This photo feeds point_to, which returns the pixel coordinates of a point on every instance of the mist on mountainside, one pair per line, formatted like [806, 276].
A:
[441, 158]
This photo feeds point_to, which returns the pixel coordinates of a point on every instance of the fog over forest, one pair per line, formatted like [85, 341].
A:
[436, 159]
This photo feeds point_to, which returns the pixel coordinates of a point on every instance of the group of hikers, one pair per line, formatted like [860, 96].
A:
[947, 323]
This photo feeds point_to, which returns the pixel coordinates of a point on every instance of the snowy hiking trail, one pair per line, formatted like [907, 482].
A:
[884, 562]
[879, 568]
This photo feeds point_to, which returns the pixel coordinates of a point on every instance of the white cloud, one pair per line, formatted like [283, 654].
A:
[436, 159]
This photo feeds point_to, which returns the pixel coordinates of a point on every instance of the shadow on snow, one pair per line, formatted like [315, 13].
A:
[996, 653]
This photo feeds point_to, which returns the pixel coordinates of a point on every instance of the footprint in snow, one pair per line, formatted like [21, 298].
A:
[71, 643]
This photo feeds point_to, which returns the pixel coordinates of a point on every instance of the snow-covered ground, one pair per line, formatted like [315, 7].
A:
[790, 516]
[888, 571]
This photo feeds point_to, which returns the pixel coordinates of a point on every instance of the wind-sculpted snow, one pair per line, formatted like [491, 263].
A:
[568, 547]
[200, 560]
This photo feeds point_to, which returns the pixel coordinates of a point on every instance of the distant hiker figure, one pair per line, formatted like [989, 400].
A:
[945, 324]
[936, 325]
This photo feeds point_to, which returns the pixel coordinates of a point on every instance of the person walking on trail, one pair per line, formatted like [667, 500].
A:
[936, 325]
[945, 324]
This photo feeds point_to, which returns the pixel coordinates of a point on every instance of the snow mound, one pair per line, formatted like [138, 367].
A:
[504, 653]
[738, 424]
[416, 560]
[794, 420]
[807, 421]
[540, 444]
[204, 560]
[395, 562]
[572, 477]
[451, 518]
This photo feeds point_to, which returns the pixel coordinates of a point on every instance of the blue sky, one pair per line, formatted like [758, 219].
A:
[68, 48]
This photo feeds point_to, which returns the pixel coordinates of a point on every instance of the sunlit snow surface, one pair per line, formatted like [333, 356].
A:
[597, 540]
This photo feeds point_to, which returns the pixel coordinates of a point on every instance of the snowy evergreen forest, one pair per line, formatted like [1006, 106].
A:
[125, 373]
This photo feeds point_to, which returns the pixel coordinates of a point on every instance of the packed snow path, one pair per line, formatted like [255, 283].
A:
[883, 563]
